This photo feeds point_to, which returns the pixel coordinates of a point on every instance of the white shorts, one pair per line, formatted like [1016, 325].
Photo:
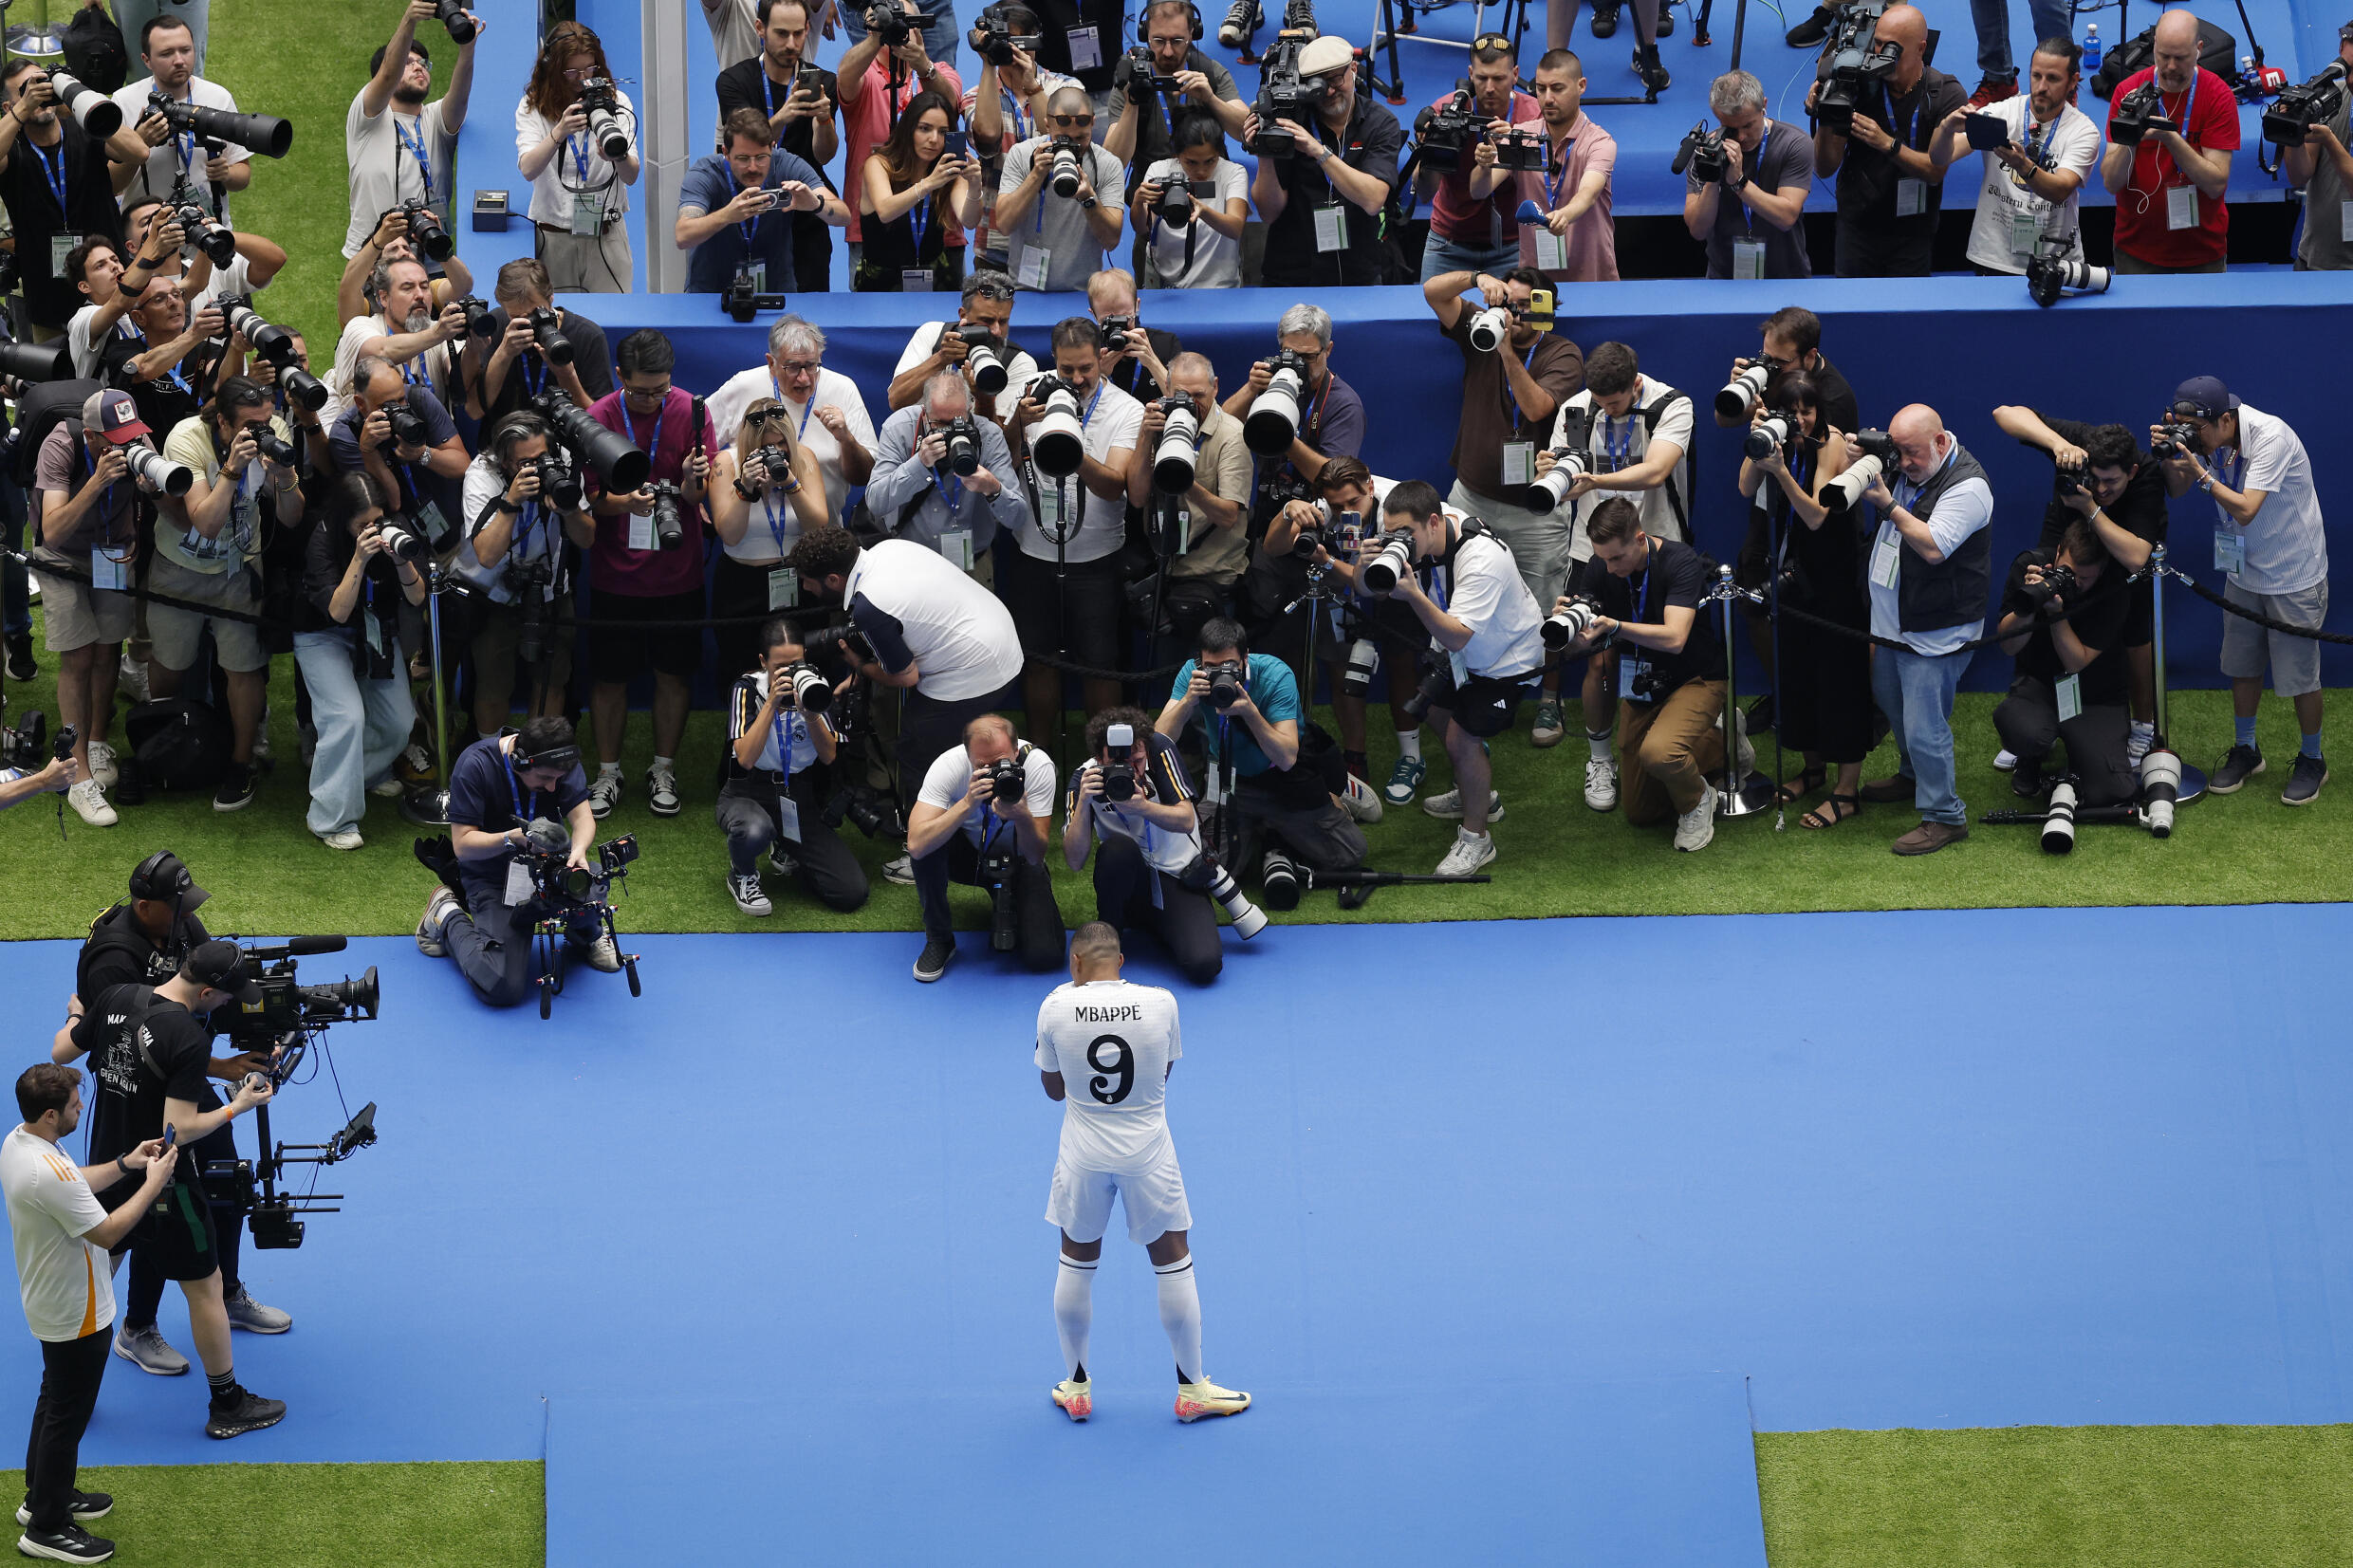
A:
[1080, 1200]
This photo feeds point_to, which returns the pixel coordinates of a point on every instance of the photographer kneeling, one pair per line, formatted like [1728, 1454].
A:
[497, 789]
[1131, 794]
[1667, 674]
[769, 795]
[1247, 707]
[2069, 683]
[980, 819]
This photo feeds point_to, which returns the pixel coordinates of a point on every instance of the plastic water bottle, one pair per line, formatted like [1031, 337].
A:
[2091, 48]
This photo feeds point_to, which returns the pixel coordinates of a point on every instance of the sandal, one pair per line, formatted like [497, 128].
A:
[1808, 781]
[1839, 807]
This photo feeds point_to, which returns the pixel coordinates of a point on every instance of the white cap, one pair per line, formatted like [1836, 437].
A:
[1325, 53]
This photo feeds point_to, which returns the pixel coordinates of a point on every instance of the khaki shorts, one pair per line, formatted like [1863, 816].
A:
[495, 637]
[173, 632]
[77, 615]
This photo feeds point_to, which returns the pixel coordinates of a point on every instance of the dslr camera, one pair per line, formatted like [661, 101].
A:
[1874, 455]
[1176, 457]
[2174, 438]
[187, 209]
[2047, 277]
[1227, 681]
[1389, 565]
[600, 102]
[669, 530]
[985, 359]
[2056, 579]
[1572, 621]
[427, 231]
[1857, 63]
[26, 748]
[1701, 153]
[547, 336]
[1273, 421]
[1058, 439]
[994, 40]
[961, 437]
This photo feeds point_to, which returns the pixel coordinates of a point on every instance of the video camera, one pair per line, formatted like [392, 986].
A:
[743, 298]
[1283, 92]
[2130, 116]
[1702, 152]
[561, 890]
[288, 1007]
[2290, 118]
[1144, 75]
[890, 23]
[1856, 60]
[994, 38]
[1447, 127]
[26, 747]
[264, 133]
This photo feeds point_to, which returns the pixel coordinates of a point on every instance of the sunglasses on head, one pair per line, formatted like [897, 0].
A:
[1487, 41]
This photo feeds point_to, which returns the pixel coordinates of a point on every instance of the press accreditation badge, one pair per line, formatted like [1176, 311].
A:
[2025, 230]
[428, 517]
[518, 884]
[1033, 267]
[2069, 692]
[1331, 229]
[2182, 207]
[2344, 221]
[1051, 509]
[1748, 259]
[1910, 197]
[105, 572]
[955, 545]
[789, 817]
[588, 214]
[1519, 462]
[375, 630]
[783, 588]
[641, 531]
[1886, 559]
[2229, 550]
[61, 246]
[915, 280]
[1085, 49]
[1551, 249]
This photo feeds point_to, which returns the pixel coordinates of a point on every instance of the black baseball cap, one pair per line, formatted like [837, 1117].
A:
[221, 966]
[163, 878]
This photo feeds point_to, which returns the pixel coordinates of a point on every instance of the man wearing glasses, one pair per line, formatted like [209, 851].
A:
[827, 414]
[1057, 242]
[1321, 202]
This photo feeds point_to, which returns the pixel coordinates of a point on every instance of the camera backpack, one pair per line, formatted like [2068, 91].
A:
[95, 51]
[41, 410]
[178, 744]
[2218, 51]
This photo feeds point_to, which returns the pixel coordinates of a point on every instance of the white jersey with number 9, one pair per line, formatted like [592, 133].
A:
[1112, 1042]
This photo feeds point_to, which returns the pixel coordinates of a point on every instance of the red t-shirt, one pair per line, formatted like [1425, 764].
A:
[1456, 215]
[2141, 209]
[614, 567]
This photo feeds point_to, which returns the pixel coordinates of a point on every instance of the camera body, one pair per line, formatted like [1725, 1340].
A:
[600, 102]
[28, 748]
[2128, 120]
[1701, 153]
[985, 359]
[1571, 622]
[669, 528]
[811, 692]
[2174, 438]
[1112, 332]
[1119, 772]
[1767, 436]
[843, 631]
[1067, 169]
[403, 543]
[273, 447]
[994, 38]
[1856, 62]
[406, 426]
[2047, 277]
[2291, 116]
[1008, 780]
[479, 321]
[547, 336]
[1227, 681]
[1144, 74]
[1491, 329]
[1390, 564]
[1283, 94]
[558, 482]
[961, 437]
[427, 231]
[1175, 208]
[185, 208]
[2056, 580]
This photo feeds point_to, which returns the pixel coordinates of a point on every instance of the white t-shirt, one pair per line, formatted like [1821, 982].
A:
[356, 333]
[1019, 371]
[2286, 550]
[1057, 225]
[384, 166]
[164, 163]
[951, 774]
[1618, 444]
[834, 390]
[796, 725]
[1110, 418]
[2073, 145]
[578, 165]
[1957, 513]
[67, 1287]
[1217, 260]
[959, 634]
[85, 348]
[735, 29]
[1486, 593]
[538, 532]
[1113, 1042]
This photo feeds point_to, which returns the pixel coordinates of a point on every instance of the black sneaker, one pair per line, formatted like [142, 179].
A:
[937, 949]
[2305, 781]
[2239, 764]
[85, 1507]
[1666, 21]
[1605, 18]
[71, 1544]
[2027, 780]
[236, 789]
[21, 664]
[250, 1413]
[1654, 75]
[1810, 31]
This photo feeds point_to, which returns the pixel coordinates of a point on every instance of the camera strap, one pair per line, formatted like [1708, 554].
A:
[417, 150]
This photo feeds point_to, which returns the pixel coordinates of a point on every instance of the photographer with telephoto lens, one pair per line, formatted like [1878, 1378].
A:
[2171, 129]
[1662, 662]
[1750, 211]
[498, 788]
[59, 184]
[980, 819]
[1131, 803]
[151, 1055]
[363, 566]
[771, 788]
[1890, 181]
[1050, 199]
[167, 48]
[1210, 547]
[939, 478]
[2068, 683]
[975, 346]
[1516, 372]
[1310, 416]
[509, 564]
[1135, 357]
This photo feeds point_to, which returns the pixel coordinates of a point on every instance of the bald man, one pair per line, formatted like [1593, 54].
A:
[1890, 181]
[2169, 187]
[1929, 568]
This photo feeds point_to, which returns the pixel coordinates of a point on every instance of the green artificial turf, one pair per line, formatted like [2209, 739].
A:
[2042, 1497]
[268, 874]
[476, 1515]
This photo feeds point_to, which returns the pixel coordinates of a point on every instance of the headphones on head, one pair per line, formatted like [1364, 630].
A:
[160, 876]
[1143, 25]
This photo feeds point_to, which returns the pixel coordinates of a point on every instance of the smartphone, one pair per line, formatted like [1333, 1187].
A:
[957, 144]
[170, 1136]
[1986, 132]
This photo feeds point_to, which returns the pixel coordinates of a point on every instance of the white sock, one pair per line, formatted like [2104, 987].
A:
[1598, 745]
[664, 764]
[1181, 1314]
[1409, 743]
[2144, 726]
[604, 769]
[1074, 1311]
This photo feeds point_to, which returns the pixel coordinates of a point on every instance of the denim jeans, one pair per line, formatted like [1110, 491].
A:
[1444, 255]
[942, 36]
[1915, 693]
[2051, 19]
[362, 724]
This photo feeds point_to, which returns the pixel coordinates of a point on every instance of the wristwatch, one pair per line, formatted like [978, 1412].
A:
[119, 1166]
[1088, 205]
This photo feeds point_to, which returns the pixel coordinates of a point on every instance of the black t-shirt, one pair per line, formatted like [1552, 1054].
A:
[1060, 18]
[143, 1051]
[1839, 409]
[484, 788]
[746, 85]
[1131, 378]
[1867, 179]
[1676, 574]
[166, 399]
[119, 953]
[2139, 511]
[590, 357]
[27, 190]
[1370, 144]
[2098, 622]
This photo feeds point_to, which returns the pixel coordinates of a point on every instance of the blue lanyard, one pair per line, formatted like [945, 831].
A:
[807, 409]
[951, 491]
[1513, 398]
[1085, 418]
[529, 519]
[747, 229]
[1559, 171]
[521, 796]
[1618, 453]
[1012, 111]
[55, 174]
[424, 165]
[535, 374]
[1904, 141]
[2189, 102]
[786, 719]
[652, 447]
[1641, 605]
[919, 219]
[1903, 484]
[579, 153]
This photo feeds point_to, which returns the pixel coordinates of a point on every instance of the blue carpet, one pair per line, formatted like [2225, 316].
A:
[1453, 1183]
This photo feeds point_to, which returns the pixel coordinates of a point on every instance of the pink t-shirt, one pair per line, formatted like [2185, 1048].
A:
[1592, 239]
[1454, 214]
[868, 120]
[614, 567]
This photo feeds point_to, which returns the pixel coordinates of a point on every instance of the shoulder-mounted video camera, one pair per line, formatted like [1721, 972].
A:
[1856, 61]
[2291, 116]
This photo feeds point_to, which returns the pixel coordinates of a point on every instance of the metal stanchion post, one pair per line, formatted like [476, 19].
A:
[1743, 791]
[432, 810]
[2193, 778]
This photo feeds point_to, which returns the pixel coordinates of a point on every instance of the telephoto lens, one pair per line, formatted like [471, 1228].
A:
[982, 362]
[96, 114]
[669, 532]
[614, 457]
[1206, 876]
[1278, 879]
[401, 545]
[1741, 393]
[272, 446]
[2050, 276]
[1057, 440]
[1571, 622]
[427, 231]
[1846, 490]
[811, 692]
[157, 473]
[1491, 328]
[274, 343]
[2059, 822]
[406, 424]
[604, 126]
[49, 361]
[452, 16]
[962, 437]
[1356, 677]
[547, 332]
[479, 321]
[1393, 562]
[218, 245]
[1065, 167]
[304, 388]
[1175, 458]
[2161, 790]
[1273, 421]
[1550, 491]
[1767, 436]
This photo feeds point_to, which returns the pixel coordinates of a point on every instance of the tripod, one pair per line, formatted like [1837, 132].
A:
[434, 810]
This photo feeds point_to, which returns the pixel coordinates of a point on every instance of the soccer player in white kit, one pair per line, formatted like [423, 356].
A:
[1114, 1044]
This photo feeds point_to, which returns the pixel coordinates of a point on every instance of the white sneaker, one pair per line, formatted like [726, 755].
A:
[131, 679]
[604, 795]
[89, 798]
[661, 792]
[900, 871]
[1696, 828]
[1449, 805]
[1746, 752]
[1363, 800]
[2005, 760]
[387, 788]
[1601, 784]
[748, 896]
[343, 838]
[2135, 746]
[1468, 852]
[429, 931]
[604, 955]
[102, 766]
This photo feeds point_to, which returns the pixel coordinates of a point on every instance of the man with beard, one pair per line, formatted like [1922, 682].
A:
[398, 146]
[403, 332]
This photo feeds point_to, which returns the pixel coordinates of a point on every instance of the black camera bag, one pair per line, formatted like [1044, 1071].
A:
[2218, 51]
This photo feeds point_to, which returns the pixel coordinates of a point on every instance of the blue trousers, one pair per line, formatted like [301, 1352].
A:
[2051, 19]
[1915, 693]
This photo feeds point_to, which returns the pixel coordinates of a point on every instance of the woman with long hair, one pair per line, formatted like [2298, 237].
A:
[362, 589]
[766, 489]
[1823, 707]
[579, 195]
[914, 201]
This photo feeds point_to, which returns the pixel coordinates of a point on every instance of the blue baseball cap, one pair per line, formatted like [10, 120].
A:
[2203, 398]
